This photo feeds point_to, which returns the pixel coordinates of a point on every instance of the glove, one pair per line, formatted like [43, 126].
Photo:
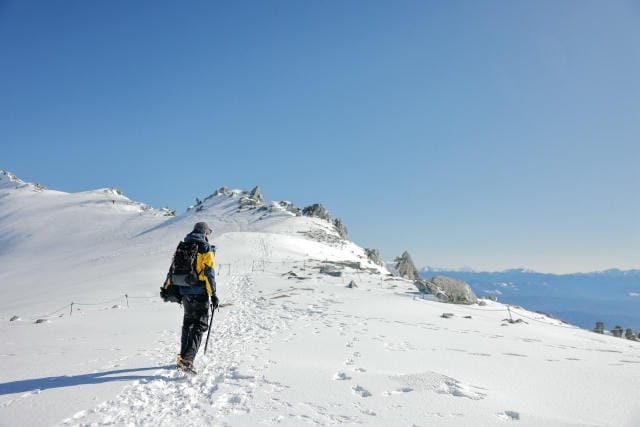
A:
[214, 301]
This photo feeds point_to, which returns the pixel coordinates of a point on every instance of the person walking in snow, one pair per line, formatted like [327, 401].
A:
[196, 297]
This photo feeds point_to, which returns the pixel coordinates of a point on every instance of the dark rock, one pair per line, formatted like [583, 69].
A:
[289, 207]
[222, 191]
[630, 335]
[599, 328]
[340, 228]
[617, 331]
[316, 211]
[256, 195]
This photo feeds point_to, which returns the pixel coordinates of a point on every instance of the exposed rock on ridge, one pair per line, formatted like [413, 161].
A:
[318, 211]
[444, 288]
[448, 289]
[405, 267]
[374, 256]
[254, 200]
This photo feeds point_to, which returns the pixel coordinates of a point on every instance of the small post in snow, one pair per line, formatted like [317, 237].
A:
[71, 311]
[509, 310]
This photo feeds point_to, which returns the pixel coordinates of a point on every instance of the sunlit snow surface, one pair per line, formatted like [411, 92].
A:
[291, 345]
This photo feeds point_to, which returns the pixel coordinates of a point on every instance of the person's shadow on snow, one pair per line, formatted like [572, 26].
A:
[40, 384]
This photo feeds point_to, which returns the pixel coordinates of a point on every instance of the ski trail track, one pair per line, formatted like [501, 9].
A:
[229, 376]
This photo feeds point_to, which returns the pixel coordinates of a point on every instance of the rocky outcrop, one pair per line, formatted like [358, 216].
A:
[289, 207]
[253, 199]
[617, 332]
[316, 211]
[405, 267]
[340, 228]
[448, 289]
[222, 191]
[9, 180]
[374, 256]
[630, 335]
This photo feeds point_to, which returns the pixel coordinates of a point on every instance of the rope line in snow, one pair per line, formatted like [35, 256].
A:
[546, 323]
[99, 303]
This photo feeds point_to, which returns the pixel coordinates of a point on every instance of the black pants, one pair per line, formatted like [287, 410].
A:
[194, 324]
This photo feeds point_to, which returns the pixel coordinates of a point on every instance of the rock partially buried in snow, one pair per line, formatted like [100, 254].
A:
[447, 289]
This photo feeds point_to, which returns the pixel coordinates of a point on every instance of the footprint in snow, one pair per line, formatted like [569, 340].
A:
[360, 391]
[509, 416]
[441, 384]
[401, 390]
[341, 376]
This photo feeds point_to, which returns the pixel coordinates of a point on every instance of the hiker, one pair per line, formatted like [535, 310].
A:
[195, 296]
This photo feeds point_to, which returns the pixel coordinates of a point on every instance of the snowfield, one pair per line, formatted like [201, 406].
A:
[292, 344]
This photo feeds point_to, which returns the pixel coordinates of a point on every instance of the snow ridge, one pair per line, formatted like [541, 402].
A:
[310, 331]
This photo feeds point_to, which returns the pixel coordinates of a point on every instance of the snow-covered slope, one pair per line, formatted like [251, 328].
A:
[292, 345]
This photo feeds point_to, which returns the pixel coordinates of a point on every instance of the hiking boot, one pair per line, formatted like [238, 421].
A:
[185, 365]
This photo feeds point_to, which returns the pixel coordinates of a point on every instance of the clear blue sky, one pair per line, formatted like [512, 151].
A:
[489, 134]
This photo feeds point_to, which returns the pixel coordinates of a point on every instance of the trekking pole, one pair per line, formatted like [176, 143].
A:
[206, 343]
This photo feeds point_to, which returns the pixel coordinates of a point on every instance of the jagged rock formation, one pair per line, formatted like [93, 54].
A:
[289, 207]
[448, 289]
[316, 211]
[253, 199]
[374, 256]
[222, 191]
[340, 228]
[405, 267]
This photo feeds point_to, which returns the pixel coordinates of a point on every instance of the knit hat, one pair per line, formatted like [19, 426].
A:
[202, 227]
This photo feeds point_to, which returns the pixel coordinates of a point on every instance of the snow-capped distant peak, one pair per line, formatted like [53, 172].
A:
[429, 269]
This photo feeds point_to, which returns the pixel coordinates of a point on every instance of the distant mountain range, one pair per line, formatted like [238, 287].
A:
[610, 296]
